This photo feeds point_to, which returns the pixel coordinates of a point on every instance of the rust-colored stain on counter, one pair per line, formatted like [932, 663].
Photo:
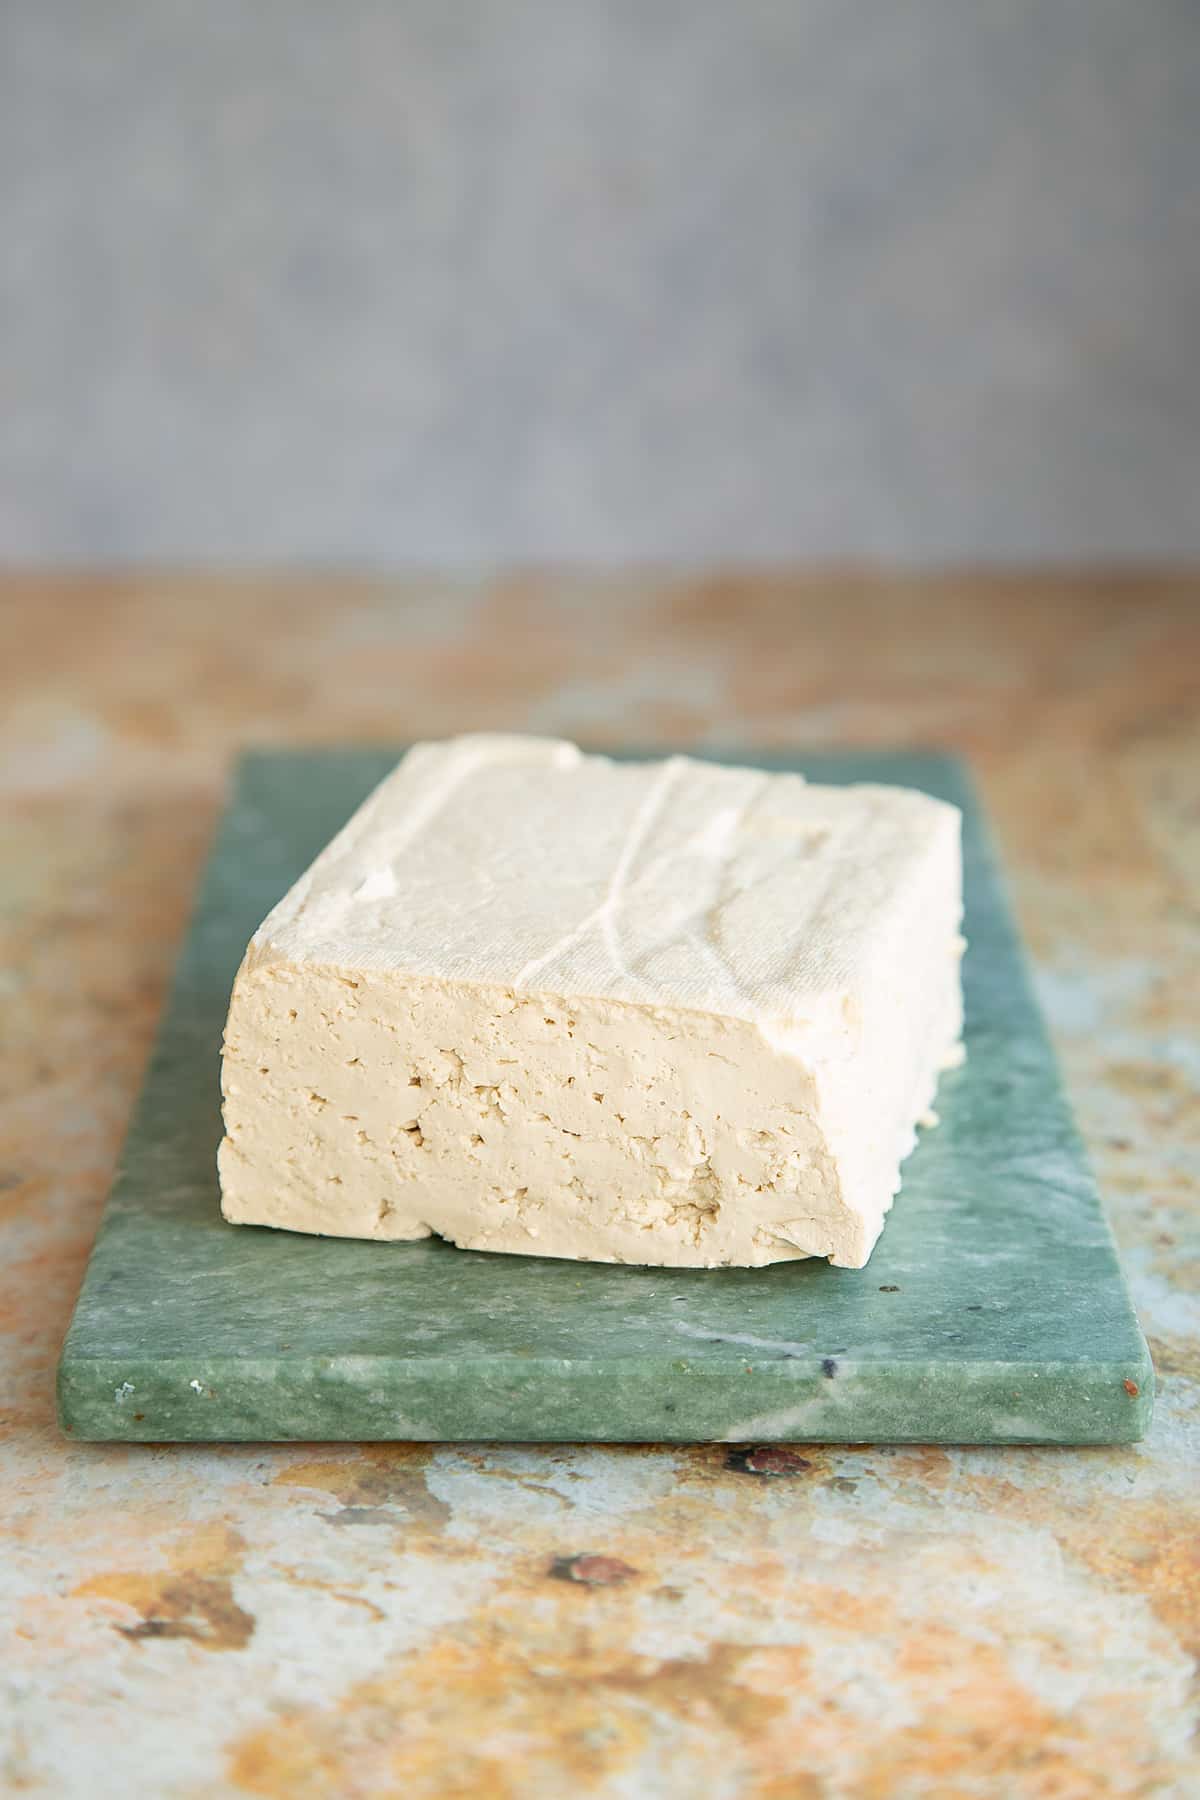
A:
[192, 1598]
[380, 1482]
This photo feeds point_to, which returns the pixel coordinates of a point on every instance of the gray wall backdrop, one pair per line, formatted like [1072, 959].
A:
[467, 280]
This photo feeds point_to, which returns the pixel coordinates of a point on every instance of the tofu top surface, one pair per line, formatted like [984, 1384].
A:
[523, 863]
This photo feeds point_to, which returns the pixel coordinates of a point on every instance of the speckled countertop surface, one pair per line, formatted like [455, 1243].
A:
[400, 1620]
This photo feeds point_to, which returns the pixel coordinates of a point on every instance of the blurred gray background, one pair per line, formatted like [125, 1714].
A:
[458, 281]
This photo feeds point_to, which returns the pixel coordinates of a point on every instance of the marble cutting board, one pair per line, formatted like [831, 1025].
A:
[993, 1310]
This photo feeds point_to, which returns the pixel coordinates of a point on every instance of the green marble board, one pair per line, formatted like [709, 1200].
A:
[993, 1310]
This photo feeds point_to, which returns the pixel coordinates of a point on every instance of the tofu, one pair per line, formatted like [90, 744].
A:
[542, 1002]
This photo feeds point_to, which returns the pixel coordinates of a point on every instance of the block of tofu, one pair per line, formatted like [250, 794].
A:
[543, 1002]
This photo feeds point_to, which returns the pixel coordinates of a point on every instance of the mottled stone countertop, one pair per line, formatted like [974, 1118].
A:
[555, 1622]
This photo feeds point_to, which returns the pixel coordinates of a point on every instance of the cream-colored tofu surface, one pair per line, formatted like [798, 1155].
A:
[542, 1002]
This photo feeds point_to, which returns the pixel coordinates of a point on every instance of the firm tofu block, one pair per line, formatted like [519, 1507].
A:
[546, 1003]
